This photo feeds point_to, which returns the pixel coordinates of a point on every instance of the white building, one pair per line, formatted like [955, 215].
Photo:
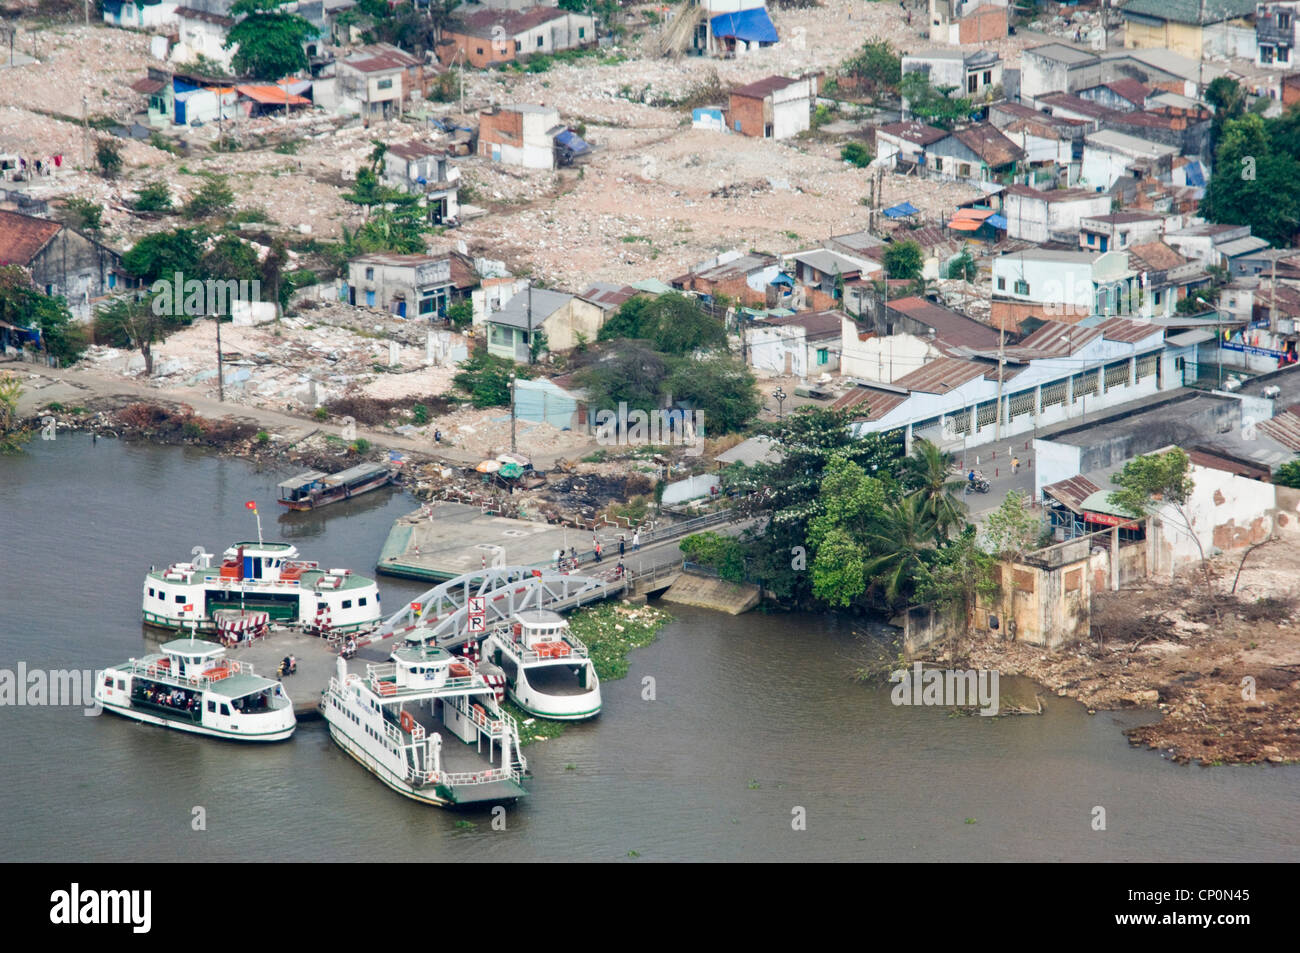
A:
[1120, 230]
[1277, 32]
[905, 142]
[1109, 155]
[802, 345]
[1055, 215]
[973, 71]
[421, 169]
[520, 135]
[202, 34]
[140, 16]
[1068, 285]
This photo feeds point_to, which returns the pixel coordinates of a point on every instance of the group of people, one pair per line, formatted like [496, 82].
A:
[570, 560]
[250, 703]
[176, 698]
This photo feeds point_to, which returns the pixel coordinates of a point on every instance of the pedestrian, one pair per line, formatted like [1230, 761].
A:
[1015, 464]
[598, 551]
[622, 542]
[636, 540]
[437, 436]
[559, 556]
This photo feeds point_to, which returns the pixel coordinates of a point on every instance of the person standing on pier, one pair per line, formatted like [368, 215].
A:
[636, 539]
[597, 550]
[622, 542]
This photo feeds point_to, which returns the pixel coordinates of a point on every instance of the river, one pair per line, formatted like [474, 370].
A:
[754, 718]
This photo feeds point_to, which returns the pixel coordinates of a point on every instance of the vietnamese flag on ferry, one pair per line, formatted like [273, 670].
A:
[251, 505]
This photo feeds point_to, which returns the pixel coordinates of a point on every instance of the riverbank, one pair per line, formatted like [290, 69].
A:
[610, 631]
[1227, 684]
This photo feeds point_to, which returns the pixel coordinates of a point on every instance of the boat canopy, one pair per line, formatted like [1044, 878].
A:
[302, 480]
[357, 474]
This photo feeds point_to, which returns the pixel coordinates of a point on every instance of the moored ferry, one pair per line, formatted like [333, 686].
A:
[393, 720]
[548, 671]
[260, 577]
[314, 489]
[191, 686]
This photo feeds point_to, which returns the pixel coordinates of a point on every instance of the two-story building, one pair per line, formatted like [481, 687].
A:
[375, 81]
[409, 286]
[521, 134]
[974, 72]
[1049, 216]
[1110, 155]
[1120, 230]
[1065, 286]
[889, 341]
[495, 36]
[62, 262]
[419, 168]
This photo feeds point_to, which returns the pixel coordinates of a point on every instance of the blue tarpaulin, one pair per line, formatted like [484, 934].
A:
[901, 211]
[570, 140]
[1195, 175]
[997, 221]
[752, 26]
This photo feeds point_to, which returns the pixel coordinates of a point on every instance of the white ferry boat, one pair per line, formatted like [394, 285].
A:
[192, 686]
[548, 671]
[393, 720]
[260, 577]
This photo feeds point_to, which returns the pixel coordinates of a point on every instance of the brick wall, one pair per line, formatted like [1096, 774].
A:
[749, 113]
[986, 23]
[505, 128]
[452, 43]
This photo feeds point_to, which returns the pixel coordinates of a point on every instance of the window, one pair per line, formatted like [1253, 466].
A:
[539, 42]
[1283, 20]
[988, 77]
[964, 170]
[427, 305]
[1022, 287]
[1123, 239]
[121, 684]
[212, 708]
[151, 593]
[823, 355]
[972, 83]
[582, 32]
[1117, 375]
[347, 604]
[361, 601]
[1092, 239]
[385, 83]
[1002, 284]
[1156, 297]
[180, 599]
[480, 51]
[370, 274]
[519, 45]
[225, 709]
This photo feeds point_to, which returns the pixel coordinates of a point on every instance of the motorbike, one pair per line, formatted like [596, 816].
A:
[287, 667]
[977, 486]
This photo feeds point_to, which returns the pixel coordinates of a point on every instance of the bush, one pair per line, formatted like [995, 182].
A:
[321, 414]
[855, 153]
[722, 553]
[263, 437]
[154, 197]
[420, 414]
[1288, 474]
[486, 379]
[108, 156]
[360, 445]
[213, 198]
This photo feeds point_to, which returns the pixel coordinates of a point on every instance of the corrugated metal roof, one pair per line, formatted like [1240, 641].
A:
[878, 403]
[1072, 492]
[765, 87]
[1126, 330]
[1056, 339]
[1284, 428]
[942, 375]
[950, 327]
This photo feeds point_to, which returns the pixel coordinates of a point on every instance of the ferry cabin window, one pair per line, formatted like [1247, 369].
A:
[151, 592]
[212, 708]
[322, 606]
[347, 604]
[180, 599]
[121, 684]
[225, 709]
[361, 601]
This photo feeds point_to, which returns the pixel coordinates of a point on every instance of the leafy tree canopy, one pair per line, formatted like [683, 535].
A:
[270, 42]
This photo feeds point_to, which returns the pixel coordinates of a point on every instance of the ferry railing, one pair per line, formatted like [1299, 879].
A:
[151, 669]
[377, 677]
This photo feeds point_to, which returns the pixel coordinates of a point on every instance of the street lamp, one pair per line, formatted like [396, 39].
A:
[780, 401]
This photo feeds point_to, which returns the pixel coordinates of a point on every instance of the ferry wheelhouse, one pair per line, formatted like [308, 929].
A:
[314, 489]
[260, 577]
[547, 669]
[394, 718]
[191, 686]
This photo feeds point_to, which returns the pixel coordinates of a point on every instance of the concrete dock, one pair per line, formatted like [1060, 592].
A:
[316, 663]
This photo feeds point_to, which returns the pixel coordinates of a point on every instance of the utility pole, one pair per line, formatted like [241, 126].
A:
[85, 134]
[1002, 340]
[512, 413]
[530, 321]
[221, 384]
[1200, 66]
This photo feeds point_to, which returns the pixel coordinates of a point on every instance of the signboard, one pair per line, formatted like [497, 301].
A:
[1256, 351]
[1107, 520]
[477, 624]
[477, 605]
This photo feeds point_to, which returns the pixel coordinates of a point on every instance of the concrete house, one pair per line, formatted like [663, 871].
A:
[963, 22]
[520, 135]
[1122, 95]
[609, 297]
[1165, 276]
[200, 33]
[1044, 138]
[1065, 286]
[62, 262]
[563, 318]
[1277, 32]
[1057, 68]
[903, 144]
[1054, 215]
[744, 278]
[408, 286]
[888, 343]
[421, 169]
[1120, 230]
[1108, 155]
[128, 14]
[774, 108]
[822, 274]
[494, 36]
[801, 345]
[376, 81]
[978, 153]
[1203, 242]
[1189, 27]
[723, 27]
[973, 72]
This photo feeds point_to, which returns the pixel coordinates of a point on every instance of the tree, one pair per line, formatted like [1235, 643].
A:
[270, 42]
[154, 197]
[131, 322]
[720, 387]
[927, 474]
[84, 215]
[899, 541]
[630, 373]
[958, 575]
[22, 305]
[163, 254]
[441, 13]
[1288, 474]
[1257, 177]
[856, 154]
[1153, 482]
[368, 191]
[629, 321]
[876, 67]
[399, 230]
[904, 260]
[461, 314]
[230, 259]
[486, 379]
[851, 500]
[723, 553]
[12, 433]
[1013, 527]
[213, 197]
[108, 156]
[1228, 98]
[931, 104]
[963, 266]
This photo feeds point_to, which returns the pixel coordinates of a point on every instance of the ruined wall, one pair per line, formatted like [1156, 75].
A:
[75, 267]
[746, 116]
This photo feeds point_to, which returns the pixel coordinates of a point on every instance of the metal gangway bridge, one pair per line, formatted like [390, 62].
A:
[443, 616]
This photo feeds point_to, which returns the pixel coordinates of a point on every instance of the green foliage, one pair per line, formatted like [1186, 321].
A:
[963, 266]
[24, 306]
[856, 154]
[1147, 481]
[876, 67]
[84, 215]
[721, 553]
[360, 446]
[461, 314]
[154, 197]
[162, 254]
[904, 260]
[928, 475]
[1256, 178]
[270, 42]
[263, 438]
[321, 414]
[719, 386]
[159, 141]
[108, 156]
[12, 433]
[958, 574]
[1013, 528]
[1288, 474]
[231, 259]
[672, 323]
[486, 379]
[213, 197]
[933, 105]
[420, 414]
[369, 191]
[633, 373]
[400, 230]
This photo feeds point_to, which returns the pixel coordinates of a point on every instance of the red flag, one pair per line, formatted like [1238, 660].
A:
[189, 608]
[250, 505]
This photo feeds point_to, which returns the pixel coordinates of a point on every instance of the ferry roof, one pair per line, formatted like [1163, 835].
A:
[421, 653]
[302, 479]
[192, 647]
[309, 579]
[251, 547]
[538, 616]
[236, 686]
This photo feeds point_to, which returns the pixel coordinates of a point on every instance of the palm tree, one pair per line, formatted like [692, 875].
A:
[927, 473]
[901, 535]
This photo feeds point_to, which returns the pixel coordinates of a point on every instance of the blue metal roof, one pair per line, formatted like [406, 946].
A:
[752, 26]
[997, 221]
[570, 140]
[901, 211]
